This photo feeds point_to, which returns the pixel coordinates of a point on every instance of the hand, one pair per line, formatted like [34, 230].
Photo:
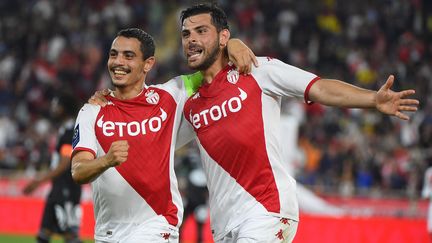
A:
[241, 56]
[393, 103]
[99, 98]
[118, 153]
[31, 186]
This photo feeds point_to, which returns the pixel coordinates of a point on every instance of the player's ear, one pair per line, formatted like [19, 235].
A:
[224, 36]
[148, 64]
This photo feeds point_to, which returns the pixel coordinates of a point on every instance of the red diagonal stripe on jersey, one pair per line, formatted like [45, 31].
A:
[147, 167]
[236, 142]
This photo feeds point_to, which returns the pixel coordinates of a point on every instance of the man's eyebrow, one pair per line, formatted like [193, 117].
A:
[201, 27]
[126, 52]
[129, 52]
[195, 28]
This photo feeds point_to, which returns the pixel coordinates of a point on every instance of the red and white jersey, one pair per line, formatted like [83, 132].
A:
[145, 186]
[236, 119]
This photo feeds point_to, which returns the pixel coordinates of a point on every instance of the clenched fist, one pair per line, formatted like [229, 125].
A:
[118, 153]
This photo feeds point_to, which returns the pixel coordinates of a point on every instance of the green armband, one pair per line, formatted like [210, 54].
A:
[192, 82]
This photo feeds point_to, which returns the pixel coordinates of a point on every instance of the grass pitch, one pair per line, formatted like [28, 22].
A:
[6, 238]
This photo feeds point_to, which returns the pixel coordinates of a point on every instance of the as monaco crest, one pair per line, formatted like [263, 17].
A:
[152, 97]
[233, 76]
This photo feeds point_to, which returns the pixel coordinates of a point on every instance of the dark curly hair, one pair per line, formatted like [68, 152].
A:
[219, 18]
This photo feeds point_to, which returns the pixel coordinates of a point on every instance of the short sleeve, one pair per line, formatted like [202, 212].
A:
[277, 78]
[84, 138]
[185, 134]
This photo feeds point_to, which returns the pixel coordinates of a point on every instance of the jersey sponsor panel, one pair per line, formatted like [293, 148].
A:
[218, 111]
[132, 128]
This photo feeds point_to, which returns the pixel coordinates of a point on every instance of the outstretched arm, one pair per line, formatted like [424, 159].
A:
[337, 93]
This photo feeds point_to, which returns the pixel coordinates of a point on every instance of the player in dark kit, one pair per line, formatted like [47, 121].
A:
[62, 213]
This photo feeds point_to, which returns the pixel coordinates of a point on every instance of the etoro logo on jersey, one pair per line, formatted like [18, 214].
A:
[133, 128]
[218, 111]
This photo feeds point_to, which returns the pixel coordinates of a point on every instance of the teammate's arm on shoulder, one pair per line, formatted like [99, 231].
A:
[241, 55]
[98, 98]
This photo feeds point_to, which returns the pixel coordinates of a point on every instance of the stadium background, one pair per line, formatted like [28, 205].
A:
[369, 165]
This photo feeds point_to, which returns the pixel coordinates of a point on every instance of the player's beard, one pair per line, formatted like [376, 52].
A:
[210, 59]
[121, 84]
[118, 85]
[126, 84]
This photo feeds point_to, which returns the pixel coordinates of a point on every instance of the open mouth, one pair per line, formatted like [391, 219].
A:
[120, 71]
[194, 52]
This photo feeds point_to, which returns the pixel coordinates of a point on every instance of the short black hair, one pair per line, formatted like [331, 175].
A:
[219, 18]
[147, 43]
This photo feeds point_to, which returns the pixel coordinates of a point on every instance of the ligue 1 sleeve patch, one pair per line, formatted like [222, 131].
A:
[76, 137]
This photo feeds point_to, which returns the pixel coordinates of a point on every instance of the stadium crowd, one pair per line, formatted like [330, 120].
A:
[47, 46]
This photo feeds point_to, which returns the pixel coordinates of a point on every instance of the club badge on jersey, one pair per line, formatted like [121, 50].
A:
[233, 76]
[152, 97]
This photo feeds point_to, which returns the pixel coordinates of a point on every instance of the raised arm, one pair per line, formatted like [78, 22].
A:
[241, 55]
[337, 93]
[86, 168]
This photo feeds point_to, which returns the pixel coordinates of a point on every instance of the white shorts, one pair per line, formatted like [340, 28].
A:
[262, 229]
[155, 231]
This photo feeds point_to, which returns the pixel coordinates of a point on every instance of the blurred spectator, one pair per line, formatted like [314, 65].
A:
[62, 212]
[47, 46]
